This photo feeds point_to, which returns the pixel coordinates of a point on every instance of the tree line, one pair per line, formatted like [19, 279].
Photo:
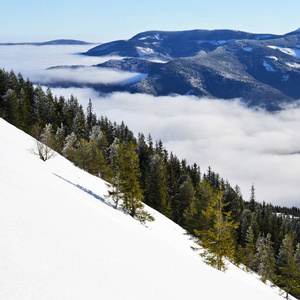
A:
[260, 236]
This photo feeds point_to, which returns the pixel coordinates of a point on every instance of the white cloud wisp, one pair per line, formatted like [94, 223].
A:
[243, 145]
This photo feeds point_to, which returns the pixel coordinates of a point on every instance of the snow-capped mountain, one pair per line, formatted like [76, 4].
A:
[169, 45]
[261, 69]
[60, 239]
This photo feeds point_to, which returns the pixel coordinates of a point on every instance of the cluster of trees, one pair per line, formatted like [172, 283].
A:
[263, 237]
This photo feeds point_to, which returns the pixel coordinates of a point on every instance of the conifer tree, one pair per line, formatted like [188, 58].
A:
[129, 174]
[129, 183]
[156, 186]
[250, 248]
[40, 110]
[25, 110]
[11, 107]
[79, 124]
[98, 164]
[218, 241]
[288, 273]
[91, 118]
[83, 157]
[114, 186]
[60, 138]
[252, 203]
[183, 198]
[193, 214]
[98, 135]
[265, 258]
[69, 150]
[297, 263]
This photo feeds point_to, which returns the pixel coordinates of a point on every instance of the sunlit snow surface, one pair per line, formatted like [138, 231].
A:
[61, 240]
[289, 51]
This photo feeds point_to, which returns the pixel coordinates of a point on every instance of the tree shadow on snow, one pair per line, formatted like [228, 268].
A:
[85, 190]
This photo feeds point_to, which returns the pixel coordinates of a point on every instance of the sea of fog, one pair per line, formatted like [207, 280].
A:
[244, 146]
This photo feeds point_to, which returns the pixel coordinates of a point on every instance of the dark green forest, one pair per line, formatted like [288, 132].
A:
[263, 237]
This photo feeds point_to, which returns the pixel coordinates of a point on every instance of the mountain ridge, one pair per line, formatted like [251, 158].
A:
[261, 69]
[53, 42]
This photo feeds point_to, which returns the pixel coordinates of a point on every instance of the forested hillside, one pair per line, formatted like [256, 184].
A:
[263, 237]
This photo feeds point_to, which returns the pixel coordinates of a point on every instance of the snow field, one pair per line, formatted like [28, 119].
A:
[61, 240]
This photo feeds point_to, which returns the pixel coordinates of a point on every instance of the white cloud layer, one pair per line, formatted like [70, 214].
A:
[242, 145]
[33, 61]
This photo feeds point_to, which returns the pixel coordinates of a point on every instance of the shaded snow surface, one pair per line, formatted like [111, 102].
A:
[61, 240]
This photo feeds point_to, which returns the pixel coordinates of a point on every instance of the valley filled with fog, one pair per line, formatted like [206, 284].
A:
[244, 146]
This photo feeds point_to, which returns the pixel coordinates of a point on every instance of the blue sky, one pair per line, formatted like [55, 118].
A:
[100, 21]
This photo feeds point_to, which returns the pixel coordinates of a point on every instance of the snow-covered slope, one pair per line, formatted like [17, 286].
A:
[60, 240]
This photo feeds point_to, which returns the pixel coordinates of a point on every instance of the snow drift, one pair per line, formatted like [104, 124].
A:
[61, 240]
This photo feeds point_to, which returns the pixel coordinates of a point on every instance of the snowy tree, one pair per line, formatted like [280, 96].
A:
[90, 116]
[69, 150]
[250, 248]
[97, 134]
[60, 138]
[44, 142]
[79, 123]
[288, 273]
[40, 109]
[11, 106]
[114, 186]
[265, 258]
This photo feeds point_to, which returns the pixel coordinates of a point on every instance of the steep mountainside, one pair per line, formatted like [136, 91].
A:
[61, 240]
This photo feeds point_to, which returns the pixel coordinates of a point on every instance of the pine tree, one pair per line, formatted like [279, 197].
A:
[288, 272]
[156, 186]
[265, 258]
[69, 150]
[129, 173]
[11, 107]
[90, 116]
[218, 241]
[297, 263]
[193, 214]
[83, 155]
[114, 187]
[183, 198]
[79, 124]
[59, 139]
[252, 203]
[98, 135]
[129, 183]
[250, 248]
[25, 110]
[98, 164]
[40, 110]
